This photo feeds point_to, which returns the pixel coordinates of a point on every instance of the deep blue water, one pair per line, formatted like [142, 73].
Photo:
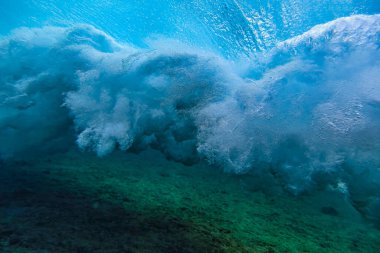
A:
[284, 87]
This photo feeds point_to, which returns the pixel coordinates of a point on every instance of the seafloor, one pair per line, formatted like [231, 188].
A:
[76, 202]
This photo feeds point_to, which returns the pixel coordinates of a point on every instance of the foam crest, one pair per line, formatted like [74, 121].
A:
[310, 107]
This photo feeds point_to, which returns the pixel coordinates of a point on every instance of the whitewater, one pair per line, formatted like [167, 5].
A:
[301, 105]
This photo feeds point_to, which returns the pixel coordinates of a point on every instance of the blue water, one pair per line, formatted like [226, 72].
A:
[283, 87]
[228, 27]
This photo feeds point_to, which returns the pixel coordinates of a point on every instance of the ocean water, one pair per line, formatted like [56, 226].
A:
[189, 126]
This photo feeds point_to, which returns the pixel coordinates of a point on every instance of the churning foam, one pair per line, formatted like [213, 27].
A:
[307, 111]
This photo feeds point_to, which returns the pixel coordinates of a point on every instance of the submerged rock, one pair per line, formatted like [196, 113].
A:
[328, 210]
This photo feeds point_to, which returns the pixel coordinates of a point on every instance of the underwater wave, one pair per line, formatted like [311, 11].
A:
[307, 112]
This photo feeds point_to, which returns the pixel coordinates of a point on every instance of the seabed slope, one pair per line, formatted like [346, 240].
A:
[76, 202]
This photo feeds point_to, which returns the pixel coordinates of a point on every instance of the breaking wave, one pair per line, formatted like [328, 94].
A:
[306, 111]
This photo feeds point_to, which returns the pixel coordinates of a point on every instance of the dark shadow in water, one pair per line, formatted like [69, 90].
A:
[38, 214]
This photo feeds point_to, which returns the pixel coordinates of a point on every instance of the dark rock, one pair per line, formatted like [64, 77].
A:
[328, 210]
[47, 172]
[6, 232]
[14, 240]
[164, 174]
[22, 193]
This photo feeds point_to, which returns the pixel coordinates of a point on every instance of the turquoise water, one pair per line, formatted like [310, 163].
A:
[189, 126]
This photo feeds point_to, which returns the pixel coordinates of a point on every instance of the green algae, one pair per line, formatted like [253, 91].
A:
[76, 202]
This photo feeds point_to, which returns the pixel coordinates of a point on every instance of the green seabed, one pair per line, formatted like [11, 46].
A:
[76, 202]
